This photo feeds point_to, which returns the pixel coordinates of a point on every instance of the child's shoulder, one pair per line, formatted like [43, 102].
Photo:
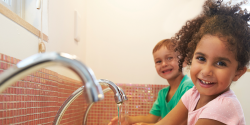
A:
[186, 81]
[164, 90]
[227, 99]
[225, 106]
[186, 84]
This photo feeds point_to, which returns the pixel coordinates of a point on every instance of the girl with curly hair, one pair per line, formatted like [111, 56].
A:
[217, 46]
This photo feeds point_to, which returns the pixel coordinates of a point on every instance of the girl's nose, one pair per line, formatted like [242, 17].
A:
[207, 70]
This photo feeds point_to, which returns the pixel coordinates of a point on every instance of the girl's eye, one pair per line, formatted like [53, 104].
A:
[201, 58]
[221, 64]
[169, 58]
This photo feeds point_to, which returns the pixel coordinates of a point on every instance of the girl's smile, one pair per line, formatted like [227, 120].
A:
[214, 66]
[206, 84]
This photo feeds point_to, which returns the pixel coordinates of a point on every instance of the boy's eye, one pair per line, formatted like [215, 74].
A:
[201, 58]
[158, 62]
[221, 64]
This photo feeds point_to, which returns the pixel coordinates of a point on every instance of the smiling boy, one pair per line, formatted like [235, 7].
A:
[166, 65]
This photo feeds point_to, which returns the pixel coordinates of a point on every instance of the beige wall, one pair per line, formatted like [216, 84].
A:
[121, 35]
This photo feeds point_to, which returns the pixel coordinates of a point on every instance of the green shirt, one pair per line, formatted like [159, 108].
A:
[161, 107]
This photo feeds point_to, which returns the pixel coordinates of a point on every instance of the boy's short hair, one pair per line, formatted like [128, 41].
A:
[166, 43]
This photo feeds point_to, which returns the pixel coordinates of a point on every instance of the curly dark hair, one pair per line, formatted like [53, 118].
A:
[218, 19]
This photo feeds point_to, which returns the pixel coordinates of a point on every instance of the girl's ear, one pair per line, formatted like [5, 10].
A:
[239, 73]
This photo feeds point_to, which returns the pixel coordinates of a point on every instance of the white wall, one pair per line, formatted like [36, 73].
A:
[33, 15]
[122, 33]
[61, 29]
[241, 89]
[17, 42]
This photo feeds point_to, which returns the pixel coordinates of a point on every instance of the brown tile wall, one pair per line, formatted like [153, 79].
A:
[36, 99]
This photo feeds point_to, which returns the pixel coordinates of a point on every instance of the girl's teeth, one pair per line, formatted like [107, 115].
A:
[206, 82]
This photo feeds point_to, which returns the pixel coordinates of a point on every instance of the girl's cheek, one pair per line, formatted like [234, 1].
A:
[191, 72]
[194, 68]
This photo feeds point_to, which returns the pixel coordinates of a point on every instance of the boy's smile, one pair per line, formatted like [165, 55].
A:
[214, 66]
[166, 63]
[166, 71]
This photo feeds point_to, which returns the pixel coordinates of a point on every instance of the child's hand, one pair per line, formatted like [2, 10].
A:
[114, 121]
[142, 124]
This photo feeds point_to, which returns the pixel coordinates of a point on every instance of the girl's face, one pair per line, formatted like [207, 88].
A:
[213, 67]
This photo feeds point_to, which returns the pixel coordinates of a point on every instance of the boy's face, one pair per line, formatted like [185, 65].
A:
[166, 63]
[213, 67]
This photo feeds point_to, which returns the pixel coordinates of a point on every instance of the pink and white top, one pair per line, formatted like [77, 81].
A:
[225, 108]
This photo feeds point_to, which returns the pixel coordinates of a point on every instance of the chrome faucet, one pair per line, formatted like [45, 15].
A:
[119, 96]
[31, 64]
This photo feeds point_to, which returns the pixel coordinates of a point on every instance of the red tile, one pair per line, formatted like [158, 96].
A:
[14, 61]
[4, 65]
[19, 112]
[8, 59]
[1, 65]
[18, 119]
[24, 118]
[2, 98]
[4, 58]
[1, 56]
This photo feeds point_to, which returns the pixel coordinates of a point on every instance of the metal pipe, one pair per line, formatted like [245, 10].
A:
[89, 107]
[68, 101]
[66, 104]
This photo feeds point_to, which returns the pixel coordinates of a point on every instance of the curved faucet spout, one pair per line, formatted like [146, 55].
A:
[31, 64]
[120, 95]
[119, 98]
